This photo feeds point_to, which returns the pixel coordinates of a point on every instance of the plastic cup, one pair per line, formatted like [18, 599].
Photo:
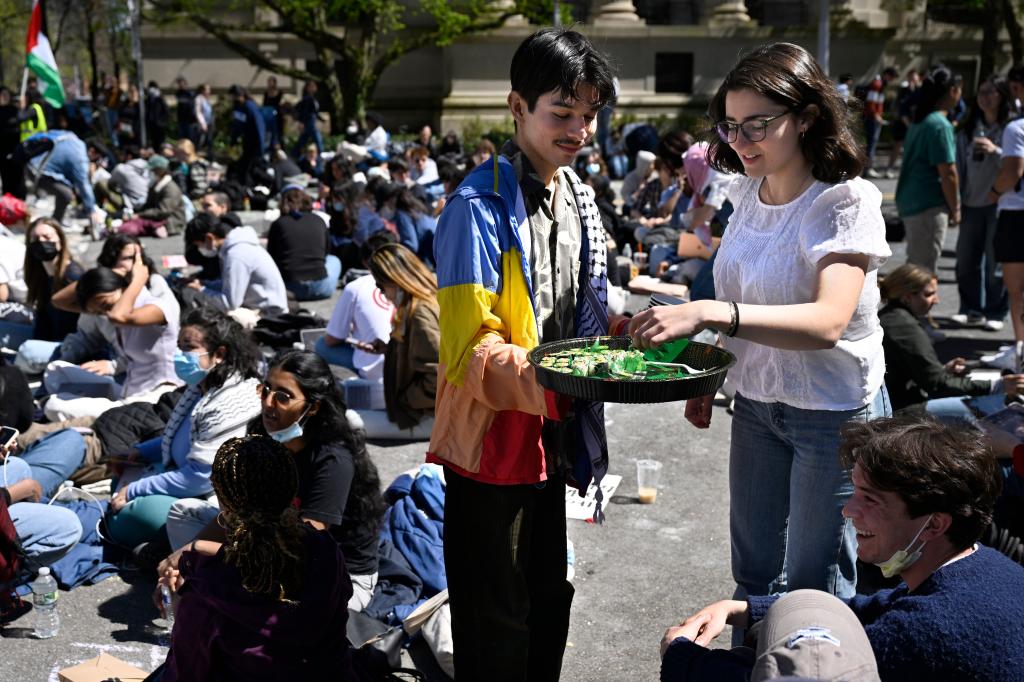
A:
[648, 471]
[640, 261]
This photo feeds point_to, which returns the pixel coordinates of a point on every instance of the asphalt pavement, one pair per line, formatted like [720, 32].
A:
[646, 568]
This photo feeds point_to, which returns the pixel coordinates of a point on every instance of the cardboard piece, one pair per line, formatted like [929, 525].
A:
[645, 284]
[102, 668]
[582, 508]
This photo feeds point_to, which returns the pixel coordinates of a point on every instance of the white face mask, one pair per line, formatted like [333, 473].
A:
[903, 559]
[207, 252]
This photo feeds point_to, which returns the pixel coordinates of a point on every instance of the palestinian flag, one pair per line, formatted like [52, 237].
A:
[40, 57]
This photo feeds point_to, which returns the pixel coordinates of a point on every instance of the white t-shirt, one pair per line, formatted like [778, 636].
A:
[364, 314]
[12, 268]
[1013, 145]
[769, 256]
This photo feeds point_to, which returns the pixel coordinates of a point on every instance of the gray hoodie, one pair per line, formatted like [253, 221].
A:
[250, 276]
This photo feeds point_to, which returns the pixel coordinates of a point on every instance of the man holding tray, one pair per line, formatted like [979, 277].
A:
[521, 259]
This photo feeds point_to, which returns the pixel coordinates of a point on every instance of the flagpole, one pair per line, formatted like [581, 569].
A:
[24, 84]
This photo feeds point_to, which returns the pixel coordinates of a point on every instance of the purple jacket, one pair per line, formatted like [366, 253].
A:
[223, 632]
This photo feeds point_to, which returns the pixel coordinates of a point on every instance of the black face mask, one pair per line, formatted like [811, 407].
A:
[44, 251]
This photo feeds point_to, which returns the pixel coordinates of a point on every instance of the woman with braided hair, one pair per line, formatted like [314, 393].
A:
[339, 489]
[271, 602]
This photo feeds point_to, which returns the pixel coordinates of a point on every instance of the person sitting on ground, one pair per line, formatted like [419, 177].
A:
[914, 377]
[422, 168]
[451, 145]
[147, 333]
[45, 532]
[16, 318]
[299, 243]
[413, 220]
[195, 168]
[411, 356]
[251, 279]
[376, 142]
[220, 364]
[311, 162]
[635, 179]
[49, 267]
[95, 346]
[163, 214]
[339, 488]
[127, 187]
[216, 204]
[362, 315]
[271, 603]
[923, 494]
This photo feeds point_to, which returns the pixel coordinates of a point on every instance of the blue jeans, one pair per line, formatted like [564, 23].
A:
[872, 131]
[54, 457]
[313, 290]
[981, 289]
[46, 532]
[787, 491]
[310, 133]
[34, 355]
[335, 355]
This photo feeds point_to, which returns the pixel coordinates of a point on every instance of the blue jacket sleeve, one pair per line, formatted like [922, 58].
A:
[191, 480]
[407, 231]
[685, 660]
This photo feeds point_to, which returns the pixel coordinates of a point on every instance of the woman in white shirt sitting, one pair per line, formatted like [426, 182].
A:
[795, 280]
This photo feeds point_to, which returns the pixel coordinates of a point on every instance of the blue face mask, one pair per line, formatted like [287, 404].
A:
[186, 366]
[594, 168]
[291, 432]
[339, 206]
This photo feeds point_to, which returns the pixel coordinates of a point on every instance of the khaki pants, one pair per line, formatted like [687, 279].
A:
[925, 233]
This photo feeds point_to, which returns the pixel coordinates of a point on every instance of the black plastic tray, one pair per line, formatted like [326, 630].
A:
[697, 355]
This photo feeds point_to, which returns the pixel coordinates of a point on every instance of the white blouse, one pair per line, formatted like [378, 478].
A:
[769, 256]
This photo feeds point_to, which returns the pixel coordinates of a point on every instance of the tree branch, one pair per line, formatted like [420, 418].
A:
[253, 56]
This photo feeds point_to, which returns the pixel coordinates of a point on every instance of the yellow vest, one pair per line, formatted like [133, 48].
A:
[36, 124]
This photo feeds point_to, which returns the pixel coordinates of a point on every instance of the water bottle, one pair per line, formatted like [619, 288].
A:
[165, 599]
[978, 155]
[44, 598]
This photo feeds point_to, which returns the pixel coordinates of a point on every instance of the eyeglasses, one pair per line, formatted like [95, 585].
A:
[280, 397]
[755, 130]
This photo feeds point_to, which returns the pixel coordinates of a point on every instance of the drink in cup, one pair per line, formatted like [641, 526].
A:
[648, 471]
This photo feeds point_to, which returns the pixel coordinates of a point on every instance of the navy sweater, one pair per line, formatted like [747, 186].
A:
[965, 622]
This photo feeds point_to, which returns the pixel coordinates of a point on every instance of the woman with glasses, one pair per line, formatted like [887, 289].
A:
[796, 299]
[982, 295]
[339, 489]
[219, 364]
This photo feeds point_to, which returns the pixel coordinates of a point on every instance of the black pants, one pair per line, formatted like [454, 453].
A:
[504, 551]
[62, 195]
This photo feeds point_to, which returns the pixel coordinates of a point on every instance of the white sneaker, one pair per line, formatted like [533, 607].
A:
[972, 320]
[891, 173]
[872, 173]
[994, 325]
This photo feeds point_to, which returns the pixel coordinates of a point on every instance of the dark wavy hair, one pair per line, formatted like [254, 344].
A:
[933, 467]
[241, 356]
[789, 75]
[365, 505]
[99, 280]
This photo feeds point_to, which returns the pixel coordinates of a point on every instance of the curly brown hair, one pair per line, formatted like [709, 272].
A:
[933, 467]
[256, 480]
[788, 74]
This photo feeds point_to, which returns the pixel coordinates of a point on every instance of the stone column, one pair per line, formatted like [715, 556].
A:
[725, 13]
[613, 13]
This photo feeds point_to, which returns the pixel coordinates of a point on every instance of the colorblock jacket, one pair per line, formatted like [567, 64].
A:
[490, 409]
